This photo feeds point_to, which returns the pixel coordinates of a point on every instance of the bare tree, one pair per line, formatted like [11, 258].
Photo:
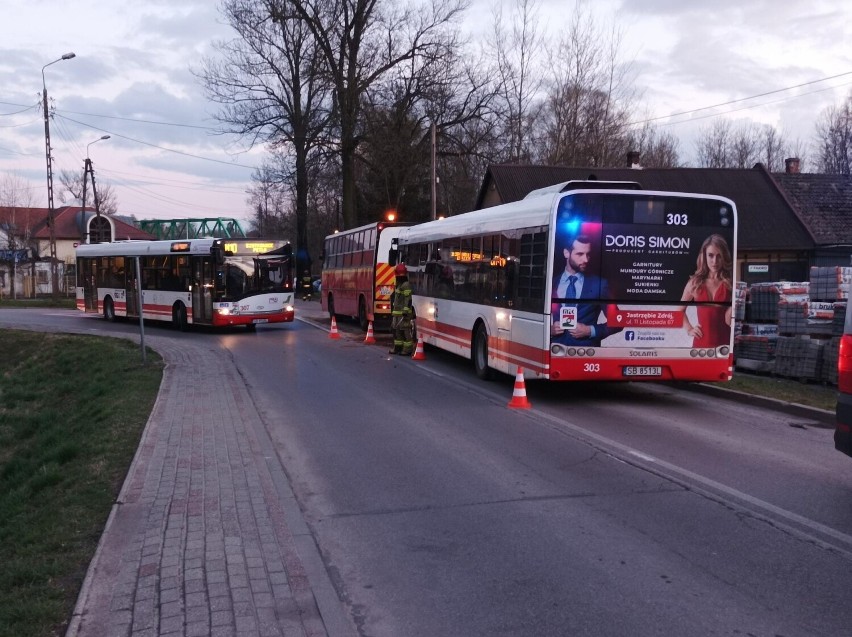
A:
[15, 193]
[589, 99]
[834, 139]
[516, 51]
[271, 88]
[774, 149]
[270, 201]
[725, 144]
[714, 143]
[72, 184]
[745, 146]
[360, 41]
[656, 149]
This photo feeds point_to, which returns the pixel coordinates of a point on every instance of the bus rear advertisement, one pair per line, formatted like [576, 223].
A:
[585, 283]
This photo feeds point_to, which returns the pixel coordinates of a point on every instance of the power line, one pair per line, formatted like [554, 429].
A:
[744, 99]
[144, 121]
[169, 150]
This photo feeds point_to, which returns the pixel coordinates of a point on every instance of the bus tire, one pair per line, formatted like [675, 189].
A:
[363, 321]
[109, 309]
[179, 317]
[479, 353]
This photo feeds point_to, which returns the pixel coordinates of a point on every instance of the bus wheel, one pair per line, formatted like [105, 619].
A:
[330, 306]
[479, 353]
[363, 321]
[179, 317]
[109, 309]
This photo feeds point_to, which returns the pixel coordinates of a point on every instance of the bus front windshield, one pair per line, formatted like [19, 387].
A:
[243, 276]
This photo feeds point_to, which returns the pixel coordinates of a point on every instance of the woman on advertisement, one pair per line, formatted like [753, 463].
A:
[711, 283]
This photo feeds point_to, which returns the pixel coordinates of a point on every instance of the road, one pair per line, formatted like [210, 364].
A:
[621, 509]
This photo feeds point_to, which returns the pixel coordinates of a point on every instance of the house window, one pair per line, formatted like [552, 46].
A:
[100, 230]
[41, 277]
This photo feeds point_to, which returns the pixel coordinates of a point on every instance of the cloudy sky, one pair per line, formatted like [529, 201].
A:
[131, 79]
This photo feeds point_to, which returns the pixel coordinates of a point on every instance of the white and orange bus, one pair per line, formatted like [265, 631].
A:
[582, 281]
[357, 273]
[216, 282]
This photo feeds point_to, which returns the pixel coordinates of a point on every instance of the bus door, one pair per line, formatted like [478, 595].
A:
[131, 290]
[202, 289]
[88, 270]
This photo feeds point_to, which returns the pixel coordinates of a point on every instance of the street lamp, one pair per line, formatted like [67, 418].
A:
[89, 170]
[99, 139]
[51, 215]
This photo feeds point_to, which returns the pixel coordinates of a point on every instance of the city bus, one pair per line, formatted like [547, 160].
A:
[215, 282]
[357, 278]
[581, 281]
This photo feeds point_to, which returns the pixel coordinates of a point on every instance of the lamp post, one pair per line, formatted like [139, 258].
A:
[51, 220]
[89, 170]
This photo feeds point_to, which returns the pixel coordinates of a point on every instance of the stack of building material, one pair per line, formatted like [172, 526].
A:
[792, 317]
[839, 318]
[740, 299]
[830, 283]
[754, 347]
[830, 354]
[797, 357]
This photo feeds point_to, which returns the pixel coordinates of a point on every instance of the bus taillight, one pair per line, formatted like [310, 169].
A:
[844, 365]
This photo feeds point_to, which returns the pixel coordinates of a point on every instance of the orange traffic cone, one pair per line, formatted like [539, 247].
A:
[333, 333]
[419, 354]
[370, 339]
[519, 395]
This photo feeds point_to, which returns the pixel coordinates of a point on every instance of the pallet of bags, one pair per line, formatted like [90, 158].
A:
[830, 354]
[830, 283]
[763, 302]
[820, 318]
[839, 318]
[799, 357]
[760, 329]
[755, 348]
[792, 317]
[740, 300]
[765, 297]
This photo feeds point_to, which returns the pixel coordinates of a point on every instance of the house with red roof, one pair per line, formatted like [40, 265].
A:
[25, 267]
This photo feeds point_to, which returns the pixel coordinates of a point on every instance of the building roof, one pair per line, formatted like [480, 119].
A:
[67, 223]
[823, 202]
[767, 219]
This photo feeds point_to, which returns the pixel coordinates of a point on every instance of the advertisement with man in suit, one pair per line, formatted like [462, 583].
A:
[574, 322]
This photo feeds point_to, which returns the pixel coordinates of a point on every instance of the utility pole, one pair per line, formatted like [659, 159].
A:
[434, 177]
[51, 213]
[88, 169]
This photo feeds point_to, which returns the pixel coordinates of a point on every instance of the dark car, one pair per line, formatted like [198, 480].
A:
[843, 428]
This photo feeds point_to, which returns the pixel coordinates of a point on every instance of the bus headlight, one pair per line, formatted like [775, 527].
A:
[557, 350]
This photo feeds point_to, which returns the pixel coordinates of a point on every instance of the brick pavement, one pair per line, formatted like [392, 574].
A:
[206, 537]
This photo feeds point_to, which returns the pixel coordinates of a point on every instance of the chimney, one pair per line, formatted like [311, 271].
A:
[791, 165]
[633, 159]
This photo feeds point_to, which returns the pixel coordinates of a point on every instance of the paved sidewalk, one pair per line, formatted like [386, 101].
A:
[206, 537]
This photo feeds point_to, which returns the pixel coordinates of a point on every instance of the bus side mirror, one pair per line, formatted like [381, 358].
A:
[393, 253]
[218, 254]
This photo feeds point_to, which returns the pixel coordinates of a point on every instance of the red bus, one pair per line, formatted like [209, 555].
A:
[357, 273]
[217, 282]
[581, 281]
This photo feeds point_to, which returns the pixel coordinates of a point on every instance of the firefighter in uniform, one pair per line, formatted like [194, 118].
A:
[307, 286]
[402, 314]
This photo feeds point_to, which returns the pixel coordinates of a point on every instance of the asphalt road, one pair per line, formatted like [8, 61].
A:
[621, 509]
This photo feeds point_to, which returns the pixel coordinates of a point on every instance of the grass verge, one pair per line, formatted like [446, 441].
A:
[791, 391]
[72, 410]
[65, 303]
